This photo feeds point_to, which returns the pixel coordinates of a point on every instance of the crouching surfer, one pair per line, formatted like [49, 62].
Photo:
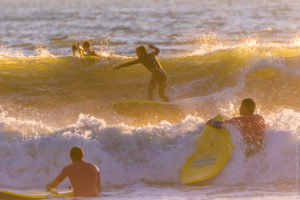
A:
[84, 176]
[251, 126]
[150, 61]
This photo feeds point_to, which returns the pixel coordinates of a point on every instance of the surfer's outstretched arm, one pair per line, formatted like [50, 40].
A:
[156, 50]
[128, 64]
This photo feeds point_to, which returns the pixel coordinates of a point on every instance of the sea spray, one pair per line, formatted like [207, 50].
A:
[151, 154]
[67, 86]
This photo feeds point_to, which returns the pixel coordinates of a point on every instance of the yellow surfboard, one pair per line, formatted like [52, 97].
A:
[149, 111]
[213, 150]
[144, 108]
[92, 58]
[7, 195]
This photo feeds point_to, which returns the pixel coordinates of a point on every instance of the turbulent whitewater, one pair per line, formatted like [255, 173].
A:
[215, 54]
[42, 98]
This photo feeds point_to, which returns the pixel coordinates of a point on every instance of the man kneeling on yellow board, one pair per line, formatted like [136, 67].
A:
[84, 176]
[251, 126]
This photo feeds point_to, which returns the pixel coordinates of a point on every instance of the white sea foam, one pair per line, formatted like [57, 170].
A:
[153, 153]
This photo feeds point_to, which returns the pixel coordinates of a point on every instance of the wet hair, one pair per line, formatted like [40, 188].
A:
[249, 104]
[86, 44]
[76, 153]
[141, 49]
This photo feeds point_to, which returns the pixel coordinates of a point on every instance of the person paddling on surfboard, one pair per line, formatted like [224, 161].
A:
[84, 176]
[85, 50]
[149, 60]
[252, 126]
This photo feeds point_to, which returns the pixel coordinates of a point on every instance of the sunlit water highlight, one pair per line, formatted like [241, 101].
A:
[215, 54]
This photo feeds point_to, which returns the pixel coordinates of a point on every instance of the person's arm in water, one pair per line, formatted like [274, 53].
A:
[52, 185]
[222, 124]
[215, 123]
[99, 183]
[128, 64]
[156, 50]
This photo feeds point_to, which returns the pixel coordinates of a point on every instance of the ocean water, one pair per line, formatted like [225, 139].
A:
[215, 54]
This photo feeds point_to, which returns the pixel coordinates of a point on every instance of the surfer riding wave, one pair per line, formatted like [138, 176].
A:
[149, 60]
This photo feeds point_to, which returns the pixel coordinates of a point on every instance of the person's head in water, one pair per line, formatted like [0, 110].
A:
[141, 51]
[76, 154]
[86, 45]
[247, 107]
